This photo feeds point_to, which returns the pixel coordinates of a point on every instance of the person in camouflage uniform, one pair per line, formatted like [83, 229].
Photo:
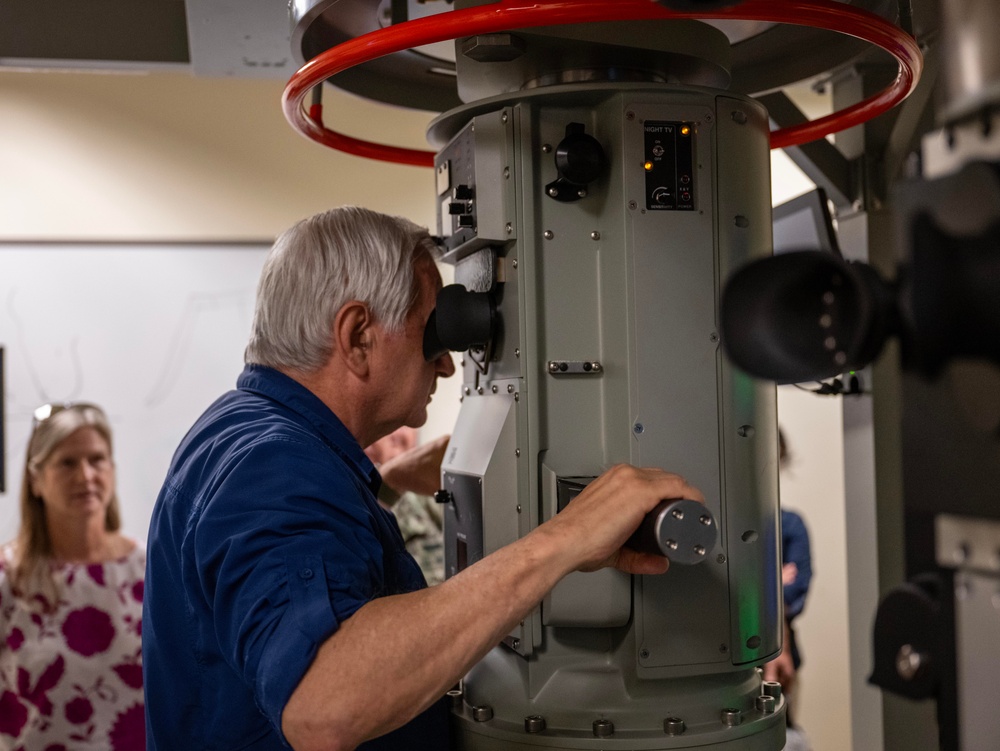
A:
[420, 518]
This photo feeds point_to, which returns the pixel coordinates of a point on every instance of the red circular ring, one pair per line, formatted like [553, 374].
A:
[520, 14]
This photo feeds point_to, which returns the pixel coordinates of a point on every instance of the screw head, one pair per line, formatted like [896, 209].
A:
[630, 115]
[482, 713]
[604, 728]
[673, 726]
[731, 717]
[595, 235]
[910, 663]
[509, 228]
[546, 148]
[765, 704]
[548, 234]
[534, 723]
[638, 428]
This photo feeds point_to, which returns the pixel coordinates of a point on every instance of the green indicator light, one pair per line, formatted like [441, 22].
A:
[744, 391]
[751, 608]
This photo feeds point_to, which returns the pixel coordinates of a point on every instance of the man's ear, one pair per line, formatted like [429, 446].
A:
[353, 336]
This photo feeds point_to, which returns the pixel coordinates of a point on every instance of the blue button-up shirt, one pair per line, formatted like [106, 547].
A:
[265, 537]
[795, 549]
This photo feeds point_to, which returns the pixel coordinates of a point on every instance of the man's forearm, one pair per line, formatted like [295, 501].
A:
[396, 655]
[409, 649]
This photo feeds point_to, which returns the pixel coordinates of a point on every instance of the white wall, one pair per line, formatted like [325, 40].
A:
[813, 484]
[104, 159]
[169, 157]
[152, 333]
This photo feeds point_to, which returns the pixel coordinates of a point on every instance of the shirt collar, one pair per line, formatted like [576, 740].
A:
[275, 385]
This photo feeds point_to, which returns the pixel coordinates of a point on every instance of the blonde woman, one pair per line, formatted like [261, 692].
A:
[71, 588]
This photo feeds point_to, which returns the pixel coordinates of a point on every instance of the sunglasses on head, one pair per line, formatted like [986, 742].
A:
[43, 413]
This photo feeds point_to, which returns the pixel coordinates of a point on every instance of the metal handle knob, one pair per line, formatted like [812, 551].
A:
[684, 531]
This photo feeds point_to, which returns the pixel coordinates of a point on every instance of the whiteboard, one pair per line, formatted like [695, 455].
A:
[153, 333]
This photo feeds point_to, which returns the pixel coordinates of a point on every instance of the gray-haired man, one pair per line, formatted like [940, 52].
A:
[281, 606]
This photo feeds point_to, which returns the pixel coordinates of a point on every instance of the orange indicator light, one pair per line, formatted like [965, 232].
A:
[648, 166]
[685, 130]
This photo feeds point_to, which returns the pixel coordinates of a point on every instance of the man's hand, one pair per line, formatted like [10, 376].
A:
[417, 470]
[789, 573]
[782, 668]
[594, 527]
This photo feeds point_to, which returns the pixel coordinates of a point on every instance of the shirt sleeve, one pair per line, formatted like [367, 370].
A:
[795, 541]
[286, 548]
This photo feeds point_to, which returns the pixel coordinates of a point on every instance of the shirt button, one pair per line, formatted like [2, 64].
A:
[306, 573]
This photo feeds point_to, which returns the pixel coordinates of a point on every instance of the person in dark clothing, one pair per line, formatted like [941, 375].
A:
[796, 576]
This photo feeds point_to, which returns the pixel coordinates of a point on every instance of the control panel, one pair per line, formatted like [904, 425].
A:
[455, 176]
[669, 165]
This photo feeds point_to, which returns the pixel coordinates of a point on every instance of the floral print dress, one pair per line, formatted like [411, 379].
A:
[72, 679]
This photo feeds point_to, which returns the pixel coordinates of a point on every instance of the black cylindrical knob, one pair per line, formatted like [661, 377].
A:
[580, 157]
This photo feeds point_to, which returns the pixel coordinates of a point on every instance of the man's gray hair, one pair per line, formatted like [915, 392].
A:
[318, 266]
